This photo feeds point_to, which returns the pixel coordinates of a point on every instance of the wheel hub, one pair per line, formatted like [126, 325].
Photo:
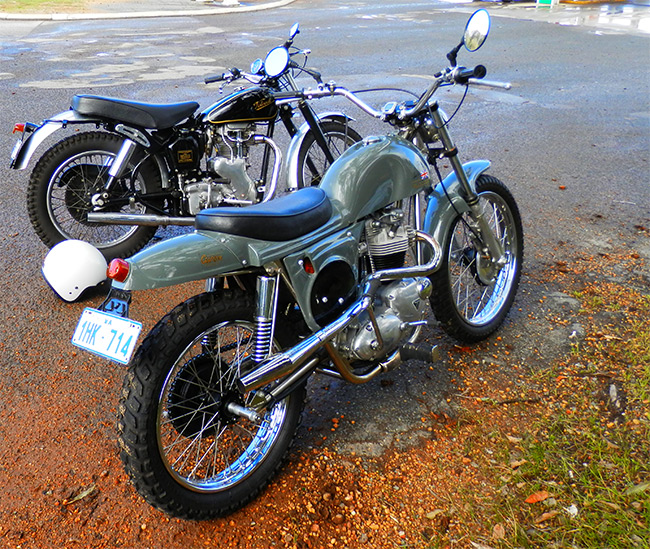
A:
[197, 407]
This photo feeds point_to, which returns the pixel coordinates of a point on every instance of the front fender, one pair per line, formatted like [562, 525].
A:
[446, 201]
[297, 141]
[47, 128]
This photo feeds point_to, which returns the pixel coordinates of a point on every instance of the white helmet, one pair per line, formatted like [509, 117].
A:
[73, 266]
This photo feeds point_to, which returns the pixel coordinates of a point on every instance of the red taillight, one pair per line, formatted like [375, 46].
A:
[19, 128]
[118, 270]
[308, 266]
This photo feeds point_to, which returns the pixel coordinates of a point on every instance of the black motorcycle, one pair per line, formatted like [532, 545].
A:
[145, 165]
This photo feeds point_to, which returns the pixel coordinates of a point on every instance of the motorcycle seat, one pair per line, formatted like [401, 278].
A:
[145, 115]
[286, 218]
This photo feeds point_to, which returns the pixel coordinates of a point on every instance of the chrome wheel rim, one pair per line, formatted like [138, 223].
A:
[338, 143]
[476, 302]
[67, 205]
[218, 450]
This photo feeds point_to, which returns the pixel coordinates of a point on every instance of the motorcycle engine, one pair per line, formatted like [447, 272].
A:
[397, 303]
[227, 180]
[388, 240]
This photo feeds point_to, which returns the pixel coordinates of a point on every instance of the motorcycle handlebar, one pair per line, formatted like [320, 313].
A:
[232, 74]
[460, 75]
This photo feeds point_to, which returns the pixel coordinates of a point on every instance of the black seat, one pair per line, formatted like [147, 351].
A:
[286, 218]
[145, 115]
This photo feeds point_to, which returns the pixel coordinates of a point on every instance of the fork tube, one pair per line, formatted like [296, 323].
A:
[451, 152]
[267, 300]
[417, 204]
[488, 238]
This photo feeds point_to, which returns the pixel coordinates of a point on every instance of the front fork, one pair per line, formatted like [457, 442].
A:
[482, 234]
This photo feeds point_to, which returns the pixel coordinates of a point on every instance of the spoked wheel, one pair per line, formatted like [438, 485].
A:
[184, 444]
[62, 186]
[471, 297]
[312, 161]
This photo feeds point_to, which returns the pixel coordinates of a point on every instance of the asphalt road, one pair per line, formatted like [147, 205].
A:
[571, 139]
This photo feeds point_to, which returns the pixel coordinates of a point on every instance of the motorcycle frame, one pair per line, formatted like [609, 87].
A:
[36, 135]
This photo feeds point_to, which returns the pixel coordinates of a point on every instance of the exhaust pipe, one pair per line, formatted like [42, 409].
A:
[138, 219]
[286, 363]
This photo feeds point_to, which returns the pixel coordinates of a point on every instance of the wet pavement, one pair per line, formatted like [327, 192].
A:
[623, 17]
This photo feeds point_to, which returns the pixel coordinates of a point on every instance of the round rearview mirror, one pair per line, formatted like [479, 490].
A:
[276, 61]
[295, 29]
[476, 30]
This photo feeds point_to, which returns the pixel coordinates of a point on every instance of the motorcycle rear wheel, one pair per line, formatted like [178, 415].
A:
[312, 161]
[467, 307]
[65, 179]
[185, 452]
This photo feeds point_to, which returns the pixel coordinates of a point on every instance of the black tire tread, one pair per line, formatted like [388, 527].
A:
[442, 302]
[39, 179]
[139, 386]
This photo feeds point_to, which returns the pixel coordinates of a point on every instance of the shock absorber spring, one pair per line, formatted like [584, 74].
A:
[264, 317]
[263, 337]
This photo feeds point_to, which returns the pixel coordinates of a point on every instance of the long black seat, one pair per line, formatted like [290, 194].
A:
[145, 115]
[285, 218]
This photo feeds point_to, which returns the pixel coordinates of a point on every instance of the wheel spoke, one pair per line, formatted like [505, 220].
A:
[477, 302]
[202, 444]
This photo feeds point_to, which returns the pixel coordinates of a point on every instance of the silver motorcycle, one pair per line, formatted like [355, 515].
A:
[331, 279]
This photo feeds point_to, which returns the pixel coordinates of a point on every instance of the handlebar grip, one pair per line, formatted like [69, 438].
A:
[233, 74]
[213, 79]
[290, 94]
[463, 75]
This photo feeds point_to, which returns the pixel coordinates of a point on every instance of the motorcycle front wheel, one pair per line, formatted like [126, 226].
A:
[467, 300]
[312, 162]
[64, 182]
[187, 453]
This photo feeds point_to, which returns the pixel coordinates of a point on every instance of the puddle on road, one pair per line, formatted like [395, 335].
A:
[604, 18]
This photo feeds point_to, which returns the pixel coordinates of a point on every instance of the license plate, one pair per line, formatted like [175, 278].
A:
[107, 335]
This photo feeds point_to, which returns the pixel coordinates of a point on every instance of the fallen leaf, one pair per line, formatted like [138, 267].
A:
[514, 440]
[84, 493]
[498, 532]
[433, 514]
[537, 497]
[480, 545]
[545, 516]
[637, 489]
[515, 464]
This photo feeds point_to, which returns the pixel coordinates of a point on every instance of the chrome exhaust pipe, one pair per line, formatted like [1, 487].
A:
[286, 363]
[110, 218]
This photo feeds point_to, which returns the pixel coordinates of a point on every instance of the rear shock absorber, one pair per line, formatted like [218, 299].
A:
[265, 317]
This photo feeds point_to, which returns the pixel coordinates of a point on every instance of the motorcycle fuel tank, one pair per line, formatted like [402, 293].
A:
[246, 105]
[374, 173]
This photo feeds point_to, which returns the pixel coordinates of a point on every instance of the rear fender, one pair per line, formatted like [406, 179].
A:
[299, 138]
[47, 128]
[206, 254]
[193, 256]
[446, 201]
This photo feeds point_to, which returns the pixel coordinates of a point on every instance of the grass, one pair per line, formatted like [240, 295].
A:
[586, 461]
[40, 6]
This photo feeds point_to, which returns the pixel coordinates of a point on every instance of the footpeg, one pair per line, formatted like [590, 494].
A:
[419, 351]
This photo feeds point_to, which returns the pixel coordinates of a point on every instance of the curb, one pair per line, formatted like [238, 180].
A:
[139, 14]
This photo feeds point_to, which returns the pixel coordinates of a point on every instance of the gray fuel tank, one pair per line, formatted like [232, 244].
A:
[373, 173]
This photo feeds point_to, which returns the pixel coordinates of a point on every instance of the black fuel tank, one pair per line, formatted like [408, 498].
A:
[246, 105]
